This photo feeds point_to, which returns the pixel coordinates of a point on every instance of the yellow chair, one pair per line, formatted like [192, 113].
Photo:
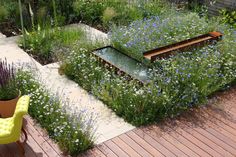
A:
[10, 128]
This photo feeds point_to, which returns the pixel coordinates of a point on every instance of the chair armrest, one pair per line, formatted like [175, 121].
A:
[22, 106]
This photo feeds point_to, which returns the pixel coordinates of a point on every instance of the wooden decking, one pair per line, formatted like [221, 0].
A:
[38, 143]
[207, 131]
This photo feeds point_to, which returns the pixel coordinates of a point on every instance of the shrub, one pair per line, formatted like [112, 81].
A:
[89, 11]
[228, 17]
[3, 13]
[73, 132]
[119, 12]
[151, 33]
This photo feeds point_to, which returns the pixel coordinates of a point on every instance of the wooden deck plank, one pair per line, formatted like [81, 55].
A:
[228, 120]
[220, 135]
[219, 128]
[125, 147]
[13, 146]
[93, 153]
[135, 145]
[117, 150]
[35, 147]
[144, 144]
[211, 132]
[156, 144]
[41, 141]
[189, 143]
[196, 141]
[164, 142]
[207, 141]
[105, 150]
[153, 132]
[227, 149]
[43, 133]
[205, 132]
[224, 126]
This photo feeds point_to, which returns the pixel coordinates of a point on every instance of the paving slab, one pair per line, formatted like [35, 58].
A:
[108, 124]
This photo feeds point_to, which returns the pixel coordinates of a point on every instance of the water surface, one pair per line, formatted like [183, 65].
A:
[127, 64]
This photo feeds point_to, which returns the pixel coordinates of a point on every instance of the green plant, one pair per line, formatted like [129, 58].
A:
[3, 13]
[228, 17]
[89, 11]
[41, 42]
[157, 31]
[120, 12]
[73, 131]
[179, 82]
[108, 14]
[8, 83]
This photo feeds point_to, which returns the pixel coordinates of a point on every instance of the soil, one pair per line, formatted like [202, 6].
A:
[41, 59]
[9, 29]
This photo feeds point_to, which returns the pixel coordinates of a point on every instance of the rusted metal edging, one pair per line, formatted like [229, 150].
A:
[168, 50]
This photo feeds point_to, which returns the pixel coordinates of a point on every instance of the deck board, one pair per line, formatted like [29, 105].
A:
[205, 131]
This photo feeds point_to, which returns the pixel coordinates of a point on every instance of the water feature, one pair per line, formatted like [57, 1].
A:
[125, 63]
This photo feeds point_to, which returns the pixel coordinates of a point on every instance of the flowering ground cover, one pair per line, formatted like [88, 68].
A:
[73, 132]
[177, 83]
[158, 31]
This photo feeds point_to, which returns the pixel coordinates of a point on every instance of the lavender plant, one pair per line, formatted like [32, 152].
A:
[157, 31]
[8, 84]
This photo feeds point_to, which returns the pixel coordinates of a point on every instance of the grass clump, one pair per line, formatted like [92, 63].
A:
[73, 132]
[42, 42]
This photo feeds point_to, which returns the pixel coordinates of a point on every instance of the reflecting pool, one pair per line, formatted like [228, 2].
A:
[125, 63]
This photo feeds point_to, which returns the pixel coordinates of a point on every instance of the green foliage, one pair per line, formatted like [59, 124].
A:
[8, 10]
[3, 13]
[41, 42]
[180, 82]
[158, 31]
[228, 17]
[73, 133]
[119, 12]
[101, 14]
[89, 11]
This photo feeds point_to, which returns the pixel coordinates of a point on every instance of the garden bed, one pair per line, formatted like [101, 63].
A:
[178, 82]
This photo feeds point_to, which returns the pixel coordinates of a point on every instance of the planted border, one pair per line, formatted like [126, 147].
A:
[158, 31]
[72, 132]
